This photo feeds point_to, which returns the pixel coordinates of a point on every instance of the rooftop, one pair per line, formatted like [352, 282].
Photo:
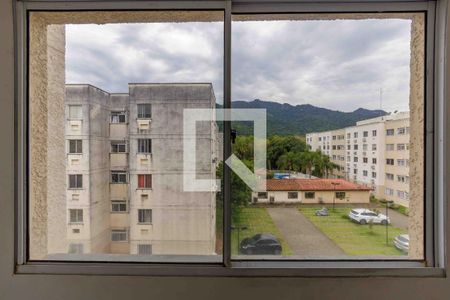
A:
[314, 185]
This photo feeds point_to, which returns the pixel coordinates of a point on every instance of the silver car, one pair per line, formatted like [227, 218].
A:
[401, 242]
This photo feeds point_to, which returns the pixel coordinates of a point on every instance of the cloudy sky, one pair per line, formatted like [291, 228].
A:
[340, 65]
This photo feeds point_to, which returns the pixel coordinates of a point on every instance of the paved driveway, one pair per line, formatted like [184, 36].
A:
[397, 219]
[303, 237]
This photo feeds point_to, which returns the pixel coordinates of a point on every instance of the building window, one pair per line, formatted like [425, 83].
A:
[145, 181]
[389, 131]
[401, 194]
[401, 147]
[390, 161]
[75, 146]
[310, 195]
[262, 195]
[401, 130]
[365, 133]
[389, 147]
[118, 177]
[76, 215]
[355, 135]
[118, 206]
[402, 178]
[75, 249]
[292, 195]
[374, 133]
[144, 249]
[374, 147]
[365, 173]
[355, 171]
[76, 181]
[374, 174]
[144, 146]
[389, 176]
[144, 216]
[118, 117]
[340, 195]
[389, 191]
[75, 112]
[374, 161]
[144, 111]
[119, 235]
[355, 159]
[365, 160]
[118, 146]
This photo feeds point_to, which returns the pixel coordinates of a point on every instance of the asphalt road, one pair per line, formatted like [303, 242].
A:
[397, 219]
[305, 239]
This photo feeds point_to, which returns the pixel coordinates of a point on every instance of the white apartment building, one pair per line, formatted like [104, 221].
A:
[376, 154]
[125, 171]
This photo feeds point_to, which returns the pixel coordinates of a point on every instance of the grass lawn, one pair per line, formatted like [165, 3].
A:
[257, 220]
[353, 238]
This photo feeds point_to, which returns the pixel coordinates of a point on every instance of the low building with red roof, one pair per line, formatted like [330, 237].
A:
[312, 191]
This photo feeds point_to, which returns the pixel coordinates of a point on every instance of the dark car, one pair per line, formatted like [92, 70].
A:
[263, 243]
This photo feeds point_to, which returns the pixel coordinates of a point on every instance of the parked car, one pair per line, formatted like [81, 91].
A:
[263, 243]
[323, 212]
[364, 216]
[401, 242]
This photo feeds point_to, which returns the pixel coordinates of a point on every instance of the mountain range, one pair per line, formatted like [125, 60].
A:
[286, 119]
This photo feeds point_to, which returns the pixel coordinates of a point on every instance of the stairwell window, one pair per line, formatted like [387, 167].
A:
[76, 215]
[144, 111]
[75, 146]
[145, 181]
[75, 112]
[145, 146]
[76, 181]
[144, 216]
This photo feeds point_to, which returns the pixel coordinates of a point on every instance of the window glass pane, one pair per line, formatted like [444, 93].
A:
[117, 89]
[75, 112]
[339, 92]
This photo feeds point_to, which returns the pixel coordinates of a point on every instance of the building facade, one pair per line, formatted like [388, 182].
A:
[376, 154]
[312, 191]
[125, 171]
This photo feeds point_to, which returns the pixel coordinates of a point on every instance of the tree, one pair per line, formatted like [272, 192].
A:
[280, 145]
[241, 194]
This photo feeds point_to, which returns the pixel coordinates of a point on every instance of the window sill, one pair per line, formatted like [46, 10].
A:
[238, 268]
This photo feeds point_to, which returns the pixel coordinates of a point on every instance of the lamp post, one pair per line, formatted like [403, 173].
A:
[238, 228]
[334, 192]
[387, 222]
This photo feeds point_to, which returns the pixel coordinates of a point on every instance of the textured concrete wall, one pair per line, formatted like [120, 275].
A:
[47, 212]
[417, 116]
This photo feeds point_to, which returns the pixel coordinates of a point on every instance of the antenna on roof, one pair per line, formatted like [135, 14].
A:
[381, 102]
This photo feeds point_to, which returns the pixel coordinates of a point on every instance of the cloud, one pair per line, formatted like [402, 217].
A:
[339, 64]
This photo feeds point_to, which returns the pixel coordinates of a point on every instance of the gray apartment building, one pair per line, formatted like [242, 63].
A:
[125, 171]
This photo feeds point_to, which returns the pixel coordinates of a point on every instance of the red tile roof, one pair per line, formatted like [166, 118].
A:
[314, 185]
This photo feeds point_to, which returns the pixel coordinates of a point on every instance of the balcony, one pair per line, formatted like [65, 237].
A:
[118, 131]
[118, 160]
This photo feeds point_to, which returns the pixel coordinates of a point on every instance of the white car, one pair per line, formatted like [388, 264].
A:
[364, 216]
[401, 242]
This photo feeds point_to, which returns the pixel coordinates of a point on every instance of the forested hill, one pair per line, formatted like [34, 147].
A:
[285, 119]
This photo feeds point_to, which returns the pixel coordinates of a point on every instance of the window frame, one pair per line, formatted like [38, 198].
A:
[434, 207]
